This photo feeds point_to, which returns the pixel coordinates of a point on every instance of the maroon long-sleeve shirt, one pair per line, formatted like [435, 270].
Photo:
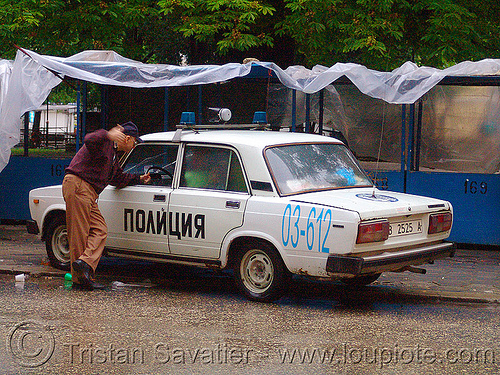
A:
[97, 163]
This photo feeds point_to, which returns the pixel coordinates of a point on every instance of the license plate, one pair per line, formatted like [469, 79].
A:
[405, 228]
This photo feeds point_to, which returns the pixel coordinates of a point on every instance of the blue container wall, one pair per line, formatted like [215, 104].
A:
[22, 175]
[475, 199]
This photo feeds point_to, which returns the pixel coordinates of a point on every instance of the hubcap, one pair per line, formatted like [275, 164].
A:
[257, 271]
[60, 245]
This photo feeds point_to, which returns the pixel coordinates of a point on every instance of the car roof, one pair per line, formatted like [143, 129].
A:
[237, 138]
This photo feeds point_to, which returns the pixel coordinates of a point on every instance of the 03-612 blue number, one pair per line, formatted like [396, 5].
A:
[315, 232]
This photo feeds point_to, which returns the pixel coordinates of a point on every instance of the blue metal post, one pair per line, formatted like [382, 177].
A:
[411, 137]
[308, 113]
[165, 110]
[84, 110]
[26, 133]
[219, 99]
[200, 105]
[78, 118]
[403, 145]
[419, 136]
[104, 106]
[188, 99]
[321, 111]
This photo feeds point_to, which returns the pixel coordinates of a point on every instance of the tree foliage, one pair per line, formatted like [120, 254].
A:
[385, 33]
[381, 34]
[229, 24]
[133, 28]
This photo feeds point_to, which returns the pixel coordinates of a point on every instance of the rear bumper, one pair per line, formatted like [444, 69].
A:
[391, 261]
[32, 227]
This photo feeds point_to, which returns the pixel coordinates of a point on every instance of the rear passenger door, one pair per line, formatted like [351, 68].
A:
[209, 202]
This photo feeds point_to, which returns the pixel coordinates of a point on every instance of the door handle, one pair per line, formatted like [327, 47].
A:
[232, 204]
[159, 198]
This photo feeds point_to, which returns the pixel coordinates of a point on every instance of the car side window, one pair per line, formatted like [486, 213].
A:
[212, 168]
[156, 159]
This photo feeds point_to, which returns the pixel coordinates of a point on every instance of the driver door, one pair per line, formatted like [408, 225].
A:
[137, 216]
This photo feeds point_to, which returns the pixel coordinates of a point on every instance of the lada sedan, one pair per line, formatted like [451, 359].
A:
[265, 204]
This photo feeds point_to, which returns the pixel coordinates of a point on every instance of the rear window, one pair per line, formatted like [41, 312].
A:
[301, 168]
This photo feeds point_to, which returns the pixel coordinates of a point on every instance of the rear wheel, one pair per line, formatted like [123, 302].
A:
[57, 244]
[260, 272]
[360, 280]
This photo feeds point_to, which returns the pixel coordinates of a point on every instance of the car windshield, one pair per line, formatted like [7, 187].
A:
[301, 168]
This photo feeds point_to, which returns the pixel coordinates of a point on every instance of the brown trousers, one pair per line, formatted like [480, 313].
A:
[87, 230]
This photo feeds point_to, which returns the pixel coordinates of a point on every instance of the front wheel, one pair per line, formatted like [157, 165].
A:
[260, 273]
[57, 244]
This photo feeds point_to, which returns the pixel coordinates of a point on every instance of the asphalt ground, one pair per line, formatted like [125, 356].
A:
[472, 275]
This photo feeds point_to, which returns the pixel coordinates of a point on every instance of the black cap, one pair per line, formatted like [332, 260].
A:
[129, 128]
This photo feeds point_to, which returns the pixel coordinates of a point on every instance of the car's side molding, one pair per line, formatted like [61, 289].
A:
[210, 263]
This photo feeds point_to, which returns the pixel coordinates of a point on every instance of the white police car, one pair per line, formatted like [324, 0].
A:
[267, 204]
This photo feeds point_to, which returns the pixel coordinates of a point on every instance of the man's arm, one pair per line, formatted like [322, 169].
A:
[121, 179]
[95, 140]
[116, 134]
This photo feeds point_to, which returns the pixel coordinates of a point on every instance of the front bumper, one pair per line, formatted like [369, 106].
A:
[390, 261]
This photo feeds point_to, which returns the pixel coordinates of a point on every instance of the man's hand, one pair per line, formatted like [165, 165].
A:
[116, 134]
[145, 178]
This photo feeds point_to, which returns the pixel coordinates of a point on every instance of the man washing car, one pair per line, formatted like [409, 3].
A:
[94, 166]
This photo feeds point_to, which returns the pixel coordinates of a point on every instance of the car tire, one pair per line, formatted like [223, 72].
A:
[260, 272]
[360, 280]
[56, 243]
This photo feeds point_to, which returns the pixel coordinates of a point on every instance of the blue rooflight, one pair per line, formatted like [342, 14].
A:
[260, 118]
[188, 118]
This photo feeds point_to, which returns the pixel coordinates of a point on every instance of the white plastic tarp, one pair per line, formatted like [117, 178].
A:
[5, 145]
[5, 70]
[32, 79]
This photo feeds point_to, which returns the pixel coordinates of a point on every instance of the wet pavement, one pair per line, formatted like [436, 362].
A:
[206, 327]
[470, 276]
